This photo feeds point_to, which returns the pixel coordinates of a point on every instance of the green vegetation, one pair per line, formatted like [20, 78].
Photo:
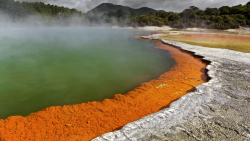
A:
[49, 14]
[120, 16]
[224, 17]
[212, 18]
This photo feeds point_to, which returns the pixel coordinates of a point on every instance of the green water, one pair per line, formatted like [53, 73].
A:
[47, 67]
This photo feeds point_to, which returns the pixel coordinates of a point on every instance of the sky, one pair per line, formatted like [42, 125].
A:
[166, 5]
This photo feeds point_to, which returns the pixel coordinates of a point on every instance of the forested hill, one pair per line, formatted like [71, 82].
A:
[108, 7]
[49, 14]
[224, 17]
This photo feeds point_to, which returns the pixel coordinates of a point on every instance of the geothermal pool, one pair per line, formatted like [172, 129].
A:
[46, 67]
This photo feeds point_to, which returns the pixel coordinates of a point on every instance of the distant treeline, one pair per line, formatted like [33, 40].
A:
[49, 14]
[118, 17]
[213, 18]
[223, 18]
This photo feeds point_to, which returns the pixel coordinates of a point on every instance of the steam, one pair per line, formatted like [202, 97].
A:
[33, 21]
[52, 66]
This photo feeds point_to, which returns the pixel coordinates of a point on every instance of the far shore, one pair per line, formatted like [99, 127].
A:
[240, 31]
[234, 39]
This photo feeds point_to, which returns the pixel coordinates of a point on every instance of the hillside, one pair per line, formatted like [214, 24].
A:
[224, 17]
[108, 7]
[36, 13]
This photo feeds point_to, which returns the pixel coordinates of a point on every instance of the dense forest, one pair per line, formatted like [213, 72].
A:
[213, 18]
[48, 14]
[218, 18]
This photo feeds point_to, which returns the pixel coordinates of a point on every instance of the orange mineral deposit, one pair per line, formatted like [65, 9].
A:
[88, 120]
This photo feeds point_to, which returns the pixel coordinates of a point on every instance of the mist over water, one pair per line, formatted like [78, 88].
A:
[43, 67]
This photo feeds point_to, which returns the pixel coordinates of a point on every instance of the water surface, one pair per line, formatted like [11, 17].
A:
[63, 66]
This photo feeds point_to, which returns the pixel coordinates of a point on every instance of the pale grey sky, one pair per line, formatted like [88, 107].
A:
[167, 5]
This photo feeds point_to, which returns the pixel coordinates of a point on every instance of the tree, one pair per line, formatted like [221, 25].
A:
[225, 9]
[188, 13]
[239, 9]
[200, 12]
[56, 10]
[248, 5]
[194, 8]
[212, 11]
[162, 14]
[174, 17]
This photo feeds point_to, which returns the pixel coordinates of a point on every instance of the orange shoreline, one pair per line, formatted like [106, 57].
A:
[89, 120]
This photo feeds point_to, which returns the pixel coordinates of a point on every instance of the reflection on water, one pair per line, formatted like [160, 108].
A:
[54, 67]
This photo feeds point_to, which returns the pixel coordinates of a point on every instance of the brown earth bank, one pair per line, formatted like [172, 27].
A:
[88, 120]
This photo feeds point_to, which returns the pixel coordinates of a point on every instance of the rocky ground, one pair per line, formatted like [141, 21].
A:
[217, 110]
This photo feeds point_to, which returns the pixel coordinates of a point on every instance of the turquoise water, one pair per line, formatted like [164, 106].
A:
[63, 66]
